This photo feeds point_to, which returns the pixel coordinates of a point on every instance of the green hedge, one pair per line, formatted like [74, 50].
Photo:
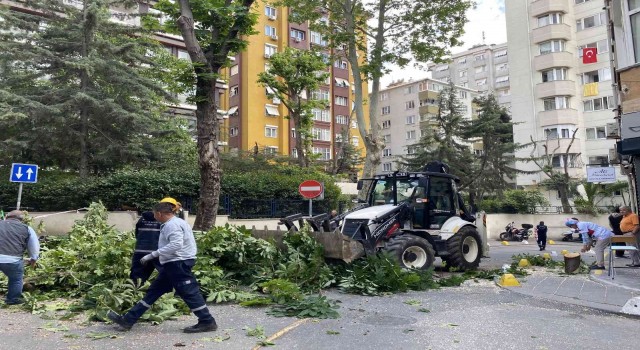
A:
[139, 189]
[514, 202]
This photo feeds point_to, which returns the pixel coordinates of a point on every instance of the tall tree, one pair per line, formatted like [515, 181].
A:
[375, 34]
[292, 76]
[212, 30]
[76, 88]
[347, 157]
[495, 167]
[443, 139]
[558, 177]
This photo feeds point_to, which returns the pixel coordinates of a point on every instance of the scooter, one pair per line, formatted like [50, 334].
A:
[512, 233]
[567, 236]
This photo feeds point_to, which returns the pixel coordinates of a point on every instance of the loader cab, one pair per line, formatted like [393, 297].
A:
[431, 197]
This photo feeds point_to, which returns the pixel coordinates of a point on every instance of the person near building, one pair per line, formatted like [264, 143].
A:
[614, 223]
[16, 237]
[541, 233]
[147, 234]
[591, 232]
[629, 225]
[177, 254]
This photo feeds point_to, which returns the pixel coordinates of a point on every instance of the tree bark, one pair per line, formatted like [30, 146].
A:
[84, 87]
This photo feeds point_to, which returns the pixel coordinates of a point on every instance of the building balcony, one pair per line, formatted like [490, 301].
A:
[559, 146]
[500, 59]
[480, 75]
[540, 7]
[556, 88]
[558, 117]
[502, 84]
[554, 59]
[553, 31]
[504, 99]
[478, 63]
[501, 72]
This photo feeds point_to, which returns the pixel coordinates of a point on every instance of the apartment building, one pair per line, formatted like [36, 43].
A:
[405, 109]
[554, 93]
[484, 68]
[254, 120]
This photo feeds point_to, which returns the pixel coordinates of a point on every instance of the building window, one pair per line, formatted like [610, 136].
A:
[271, 111]
[321, 134]
[602, 46]
[502, 66]
[550, 18]
[234, 90]
[464, 84]
[553, 103]
[550, 46]
[478, 58]
[581, 1]
[355, 140]
[386, 110]
[591, 21]
[233, 70]
[354, 124]
[270, 31]
[270, 50]
[338, 138]
[322, 95]
[341, 101]
[597, 133]
[293, 133]
[599, 160]
[481, 69]
[554, 74]
[423, 86]
[634, 20]
[321, 115]
[410, 119]
[428, 102]
[341, 119]
[598, 104]
[462, 94]
[502, 79]
[316, 38]
[271, 150]
[409, 89]
[386, 138]
[341, 64]
[503, 92]
[481, 82]
[341, 82]
[411, 135]
[386, 167]
[233, 131]
[562, 132]
[412, 150]
[271, 12]
[271, 131]
[463, 73]
[297, 35]
[463, 60]
[595, 76]
[386, 124]
[435, 87]
[500, 53]
[384, 96]
[442, 68]
[386, 152]
[409, 105]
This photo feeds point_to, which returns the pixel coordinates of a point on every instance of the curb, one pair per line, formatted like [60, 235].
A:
[611, 283]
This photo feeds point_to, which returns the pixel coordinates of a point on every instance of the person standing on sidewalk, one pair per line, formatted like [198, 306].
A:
[177, 253]
[16, 238]
[590, 232]
[541, 233]
[614, 223]
[629, 225]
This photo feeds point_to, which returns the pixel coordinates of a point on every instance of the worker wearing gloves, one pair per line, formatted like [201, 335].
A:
[177, 254]
[591, 231]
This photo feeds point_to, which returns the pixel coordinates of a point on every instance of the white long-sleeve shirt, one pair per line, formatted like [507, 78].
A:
[176, 241]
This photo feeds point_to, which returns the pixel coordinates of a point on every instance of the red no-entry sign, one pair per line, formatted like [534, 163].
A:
[310, 189]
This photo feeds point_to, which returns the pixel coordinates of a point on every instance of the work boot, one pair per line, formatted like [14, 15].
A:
[202, 327]
[119, 320]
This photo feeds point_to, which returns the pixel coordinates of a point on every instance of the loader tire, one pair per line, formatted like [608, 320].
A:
[411, 251]
[465, 249]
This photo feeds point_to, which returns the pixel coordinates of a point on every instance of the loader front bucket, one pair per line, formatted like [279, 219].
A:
[336, 245]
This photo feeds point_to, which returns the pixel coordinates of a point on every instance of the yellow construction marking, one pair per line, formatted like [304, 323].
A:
[504, 243]
[282, 332]
[597, 272]
[508, 280]
[564, 252]
[551, 242]
[524, 263]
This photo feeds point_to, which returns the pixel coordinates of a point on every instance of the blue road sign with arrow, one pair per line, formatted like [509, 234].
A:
[27, 173]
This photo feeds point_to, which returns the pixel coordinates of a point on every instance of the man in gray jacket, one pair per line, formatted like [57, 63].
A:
[16, 238]
[177, 254]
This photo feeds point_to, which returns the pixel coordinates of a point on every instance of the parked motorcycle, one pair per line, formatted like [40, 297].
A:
[512, 233]
[567, 236]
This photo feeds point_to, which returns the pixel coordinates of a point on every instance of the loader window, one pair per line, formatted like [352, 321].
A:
[441, 203]
[383, 191]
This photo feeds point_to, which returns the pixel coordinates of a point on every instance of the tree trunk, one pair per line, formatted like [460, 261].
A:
[208, 130]
[84, 86]
[300, 148]
[563, 192]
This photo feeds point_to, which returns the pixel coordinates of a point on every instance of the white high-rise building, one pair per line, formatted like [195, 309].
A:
[553, 93]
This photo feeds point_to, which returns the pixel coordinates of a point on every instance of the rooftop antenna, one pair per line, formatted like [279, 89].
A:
[483, 43]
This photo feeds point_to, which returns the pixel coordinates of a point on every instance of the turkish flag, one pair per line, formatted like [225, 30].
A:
[589, 55]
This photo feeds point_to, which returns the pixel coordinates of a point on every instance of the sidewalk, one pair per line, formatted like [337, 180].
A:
[598, 290]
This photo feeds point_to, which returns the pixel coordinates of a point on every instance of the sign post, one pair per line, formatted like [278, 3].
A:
[310, 189]
[23, 173]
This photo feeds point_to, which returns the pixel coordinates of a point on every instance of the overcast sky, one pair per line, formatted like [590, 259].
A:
[488, 16]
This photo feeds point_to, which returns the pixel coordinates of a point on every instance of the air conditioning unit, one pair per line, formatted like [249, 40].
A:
[613, 156]
[274, 37]
[296, 39]
[271, 18]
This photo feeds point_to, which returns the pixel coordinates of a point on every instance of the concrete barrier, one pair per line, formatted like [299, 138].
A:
[56, 224]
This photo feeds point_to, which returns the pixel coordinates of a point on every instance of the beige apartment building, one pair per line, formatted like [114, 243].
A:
[553, 93]
[405, 109]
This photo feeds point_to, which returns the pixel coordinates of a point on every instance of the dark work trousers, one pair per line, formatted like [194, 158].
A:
[542, 240]
[142, 272]
[174, 275]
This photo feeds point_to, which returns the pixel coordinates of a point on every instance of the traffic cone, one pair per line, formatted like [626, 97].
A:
[508, 280]
[564, 252]
[552, 242]
[505, 243]
[546, 256]
[524, 263]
